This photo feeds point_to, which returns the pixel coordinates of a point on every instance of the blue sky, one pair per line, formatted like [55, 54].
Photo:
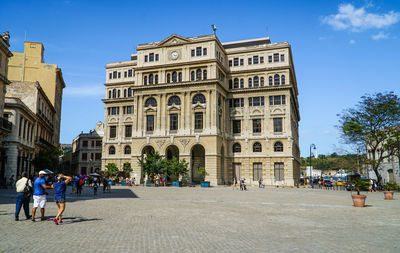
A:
[342, 49]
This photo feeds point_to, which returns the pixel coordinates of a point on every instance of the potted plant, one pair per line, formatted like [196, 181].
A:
[359, 200]
[176, 169]
[202, 171]
[389, 190]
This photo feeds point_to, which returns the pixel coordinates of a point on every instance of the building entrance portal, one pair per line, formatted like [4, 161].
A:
[172, 151]
[237, 170]
[198, 160]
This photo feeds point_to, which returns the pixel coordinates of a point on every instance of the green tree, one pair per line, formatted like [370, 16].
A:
[48, 158]
[176, 167]
[153, 164]
[112, 170]
[373, 124]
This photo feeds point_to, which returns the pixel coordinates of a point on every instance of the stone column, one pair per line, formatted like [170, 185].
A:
[158, 123]
[209, 110]
[139, 116]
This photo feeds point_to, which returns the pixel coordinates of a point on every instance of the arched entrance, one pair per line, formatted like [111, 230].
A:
[172, 151]
[198, 160]
[222, 165]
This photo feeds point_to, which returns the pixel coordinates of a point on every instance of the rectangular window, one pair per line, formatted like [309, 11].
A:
[110, 75]
[84, 156]
[128, 131]
[235, 61]
[230, 103]
[173, 122]
[146, 58]
[256, 101]
[114, 74]
[114, 110]
[250, 101]
[277, 100]
[241, 83]
[241, 62]
[113, 131]
[130, 73]
[125, 74]
[198, 51]
[236, 126]
[129, 109]
[98, 143]
[276, 57]
[278, 125]
[84, 143]
[91, 156]
[282, 57]
[257, 171]
[230, 63]
[279, 171]
[198, 120]
[236, 102]
[249, 61]
[151, 57]
[283, 99]
[270, 58]
[242, 102]
[119, 74]
[97, 156]
[261, 59]
[157, 57]
[204, 51]
[192, 52]
[92, 144]
[150, 123]
[256, 125]
[255, 59]
[262, 101]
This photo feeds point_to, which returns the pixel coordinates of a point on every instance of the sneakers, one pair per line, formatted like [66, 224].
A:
[16, 219]
[55, 221]
[60, 221]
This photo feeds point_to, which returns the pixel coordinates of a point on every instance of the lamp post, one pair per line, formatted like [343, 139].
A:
[311, 178]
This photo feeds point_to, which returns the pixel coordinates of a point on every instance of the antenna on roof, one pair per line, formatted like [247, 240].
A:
[214, 29]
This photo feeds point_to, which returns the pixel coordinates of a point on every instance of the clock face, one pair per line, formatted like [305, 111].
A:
[174, 55]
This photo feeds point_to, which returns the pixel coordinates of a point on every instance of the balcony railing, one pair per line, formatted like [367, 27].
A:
[40, 140]
[5, 124]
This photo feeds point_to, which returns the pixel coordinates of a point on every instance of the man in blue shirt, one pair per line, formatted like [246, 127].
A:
[60, 187]
[39, 195]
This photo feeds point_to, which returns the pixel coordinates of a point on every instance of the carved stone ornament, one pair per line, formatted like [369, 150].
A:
[184, 142]
[160, 143]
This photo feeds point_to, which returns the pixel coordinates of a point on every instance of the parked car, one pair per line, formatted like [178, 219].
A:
[351, 186]
[340, 182]
[328, 183]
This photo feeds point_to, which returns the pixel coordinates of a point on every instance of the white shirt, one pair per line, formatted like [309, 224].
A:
[21, 184]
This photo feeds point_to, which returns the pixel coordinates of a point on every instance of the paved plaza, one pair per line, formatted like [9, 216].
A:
[148, 219]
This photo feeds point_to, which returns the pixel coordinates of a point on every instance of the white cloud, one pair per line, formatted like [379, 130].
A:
[380, 35]
[85, 91]
[352, 42]
[353, 19]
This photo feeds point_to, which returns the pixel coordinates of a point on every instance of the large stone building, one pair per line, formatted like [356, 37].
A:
[29, 66]
[230, 107]
[5, 125]
[86, 151]
[31, 114]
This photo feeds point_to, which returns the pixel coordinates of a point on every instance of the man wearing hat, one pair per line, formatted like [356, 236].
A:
[39, 195]
[22, 200]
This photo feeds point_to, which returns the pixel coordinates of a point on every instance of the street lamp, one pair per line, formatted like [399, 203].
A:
[311, 178]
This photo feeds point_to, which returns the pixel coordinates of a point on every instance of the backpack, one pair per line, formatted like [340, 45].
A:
[28, 190]
[80, 182]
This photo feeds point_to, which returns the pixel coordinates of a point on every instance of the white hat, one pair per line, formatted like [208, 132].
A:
[42, 172]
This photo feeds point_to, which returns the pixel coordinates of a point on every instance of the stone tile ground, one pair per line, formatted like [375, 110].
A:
[142, 219]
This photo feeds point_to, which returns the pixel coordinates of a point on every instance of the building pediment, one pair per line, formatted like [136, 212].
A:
[256, 112]
[278, 111]
[174, 39]
[174, 107]
[128, 119]
[150, 109]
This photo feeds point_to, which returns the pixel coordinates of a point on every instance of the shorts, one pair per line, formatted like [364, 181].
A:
[39, 200]
[60, 201]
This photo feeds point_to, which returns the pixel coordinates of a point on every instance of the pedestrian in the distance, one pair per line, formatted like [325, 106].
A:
[39, 195]
[12, 182]
[95, 186]
[22, 197]
[105, 184]
[60, 186]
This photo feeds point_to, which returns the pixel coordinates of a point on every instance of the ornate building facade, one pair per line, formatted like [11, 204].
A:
[229, 107]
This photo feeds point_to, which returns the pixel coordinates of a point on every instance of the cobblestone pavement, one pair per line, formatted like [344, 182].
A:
[148, 219]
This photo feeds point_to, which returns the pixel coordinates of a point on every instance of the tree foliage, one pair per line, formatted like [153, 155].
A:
[176, 167]
[112, 170]
[48, 158]
[373, 125]
[153, 163]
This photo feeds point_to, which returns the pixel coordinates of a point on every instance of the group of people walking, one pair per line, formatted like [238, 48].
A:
[25, 189]
[242, 183]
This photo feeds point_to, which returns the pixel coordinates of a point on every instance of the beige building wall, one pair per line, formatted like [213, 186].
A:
[222, 82]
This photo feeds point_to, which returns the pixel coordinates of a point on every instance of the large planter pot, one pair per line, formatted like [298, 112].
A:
[388, 195]
[359, 200]
[205, 184]
[176, 184]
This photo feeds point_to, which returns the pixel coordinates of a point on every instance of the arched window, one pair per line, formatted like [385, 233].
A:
[180, 77]
[276, 79]
[257, 147]
[174, 100]
[204, 74]
[250, 82]
[119, 93]
[129, 92]
[270, 80]
[127, 150]
[198, 74]
[282, 79]
[256, 81]
[150, 101]
[278, 146]
[156, 79]
[236, 83]
[124, 93]
[109, 94]
[192, 76]
[145, 80]
[199, 98]
[174, 77]
[151, 79]
[262, 81]
[111, 150]
[242, 83]
[168, 78]
[236, 148]
[114, 93]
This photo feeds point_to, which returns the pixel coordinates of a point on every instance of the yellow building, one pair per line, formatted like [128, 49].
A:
[229, 107]
[29, 66]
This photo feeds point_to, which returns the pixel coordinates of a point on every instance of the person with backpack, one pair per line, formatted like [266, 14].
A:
[79, 185]
[24, 193]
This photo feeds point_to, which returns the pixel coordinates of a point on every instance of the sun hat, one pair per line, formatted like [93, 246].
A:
[42, 172]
